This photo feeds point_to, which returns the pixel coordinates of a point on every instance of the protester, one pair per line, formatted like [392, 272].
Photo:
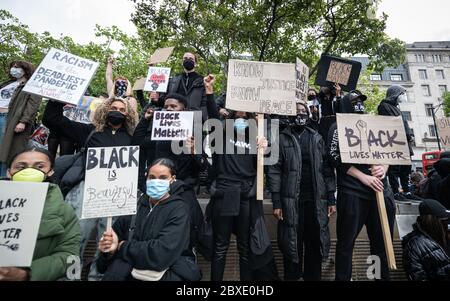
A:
[188, 164]
[329, 98]
[190, 84]
[18, 110]
[390, 107]
[356, 201]
[426, 255]
[416, 178]
[120, 87]
[299, 182]
[157, 247]
[233, 206]
[59, 231]
[113, 125]
[437, 184]
[315, 109]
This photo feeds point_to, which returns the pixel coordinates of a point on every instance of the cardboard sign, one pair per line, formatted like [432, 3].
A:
[62, 76]
[338, 70]
[368, 139]
[157, 79]
[84, 111]
[139, 84]
[111, 184]
[21, 206]
[172, 125]
[301, 83]
[161, 55]
[259, 87]
[443, 126]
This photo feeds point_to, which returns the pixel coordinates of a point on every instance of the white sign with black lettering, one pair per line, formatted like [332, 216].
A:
[21, 206]
[172, 125]
[111, 183]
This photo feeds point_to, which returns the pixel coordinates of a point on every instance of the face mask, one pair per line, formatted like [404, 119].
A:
[241, 124]
[402, 98]
[115, 118]
[311, 97]
[188, 65]
[301, 120]
[121, 88]
[17, 72]
[29, 175]
[358, 108]
[156, 189]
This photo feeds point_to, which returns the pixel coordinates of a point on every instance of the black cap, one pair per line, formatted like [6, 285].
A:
[354, 94]
[433, 207]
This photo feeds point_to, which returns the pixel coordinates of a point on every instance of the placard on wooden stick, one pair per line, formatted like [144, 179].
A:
[338, 70]
[160, 55]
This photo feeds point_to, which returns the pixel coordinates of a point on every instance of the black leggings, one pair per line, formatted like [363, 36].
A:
[222, 228]
[67, 147]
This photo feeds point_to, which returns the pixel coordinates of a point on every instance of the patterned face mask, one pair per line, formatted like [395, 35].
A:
[121, 88]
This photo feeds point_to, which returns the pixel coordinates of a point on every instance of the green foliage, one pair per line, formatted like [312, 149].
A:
[446, 97]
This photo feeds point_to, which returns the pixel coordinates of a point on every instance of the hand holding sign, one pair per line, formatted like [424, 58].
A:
[109, 242]
[13, 274]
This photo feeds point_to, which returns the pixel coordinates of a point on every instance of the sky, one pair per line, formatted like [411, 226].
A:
[409, 20]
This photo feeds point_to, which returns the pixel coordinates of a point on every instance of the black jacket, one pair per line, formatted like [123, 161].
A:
[386, 108]
[283, 180]
[160, 239]
[196, 94]
[423, 258]
[437, 186]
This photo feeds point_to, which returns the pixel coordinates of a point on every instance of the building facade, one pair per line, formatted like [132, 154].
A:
[426, 76]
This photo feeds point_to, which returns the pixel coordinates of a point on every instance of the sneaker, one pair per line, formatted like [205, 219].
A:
[411, 196]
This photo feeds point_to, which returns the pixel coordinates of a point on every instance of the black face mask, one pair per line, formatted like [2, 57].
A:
[301, 120]
[115, 118]
[358, 108]
[188, 65]
[311, 97]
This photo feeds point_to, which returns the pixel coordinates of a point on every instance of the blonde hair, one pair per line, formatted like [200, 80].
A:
[99, 120]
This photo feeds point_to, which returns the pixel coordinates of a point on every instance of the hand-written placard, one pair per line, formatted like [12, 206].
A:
[172, 125]
[443, 126]
[84, 111]
[21, 206]
[157, 79]
[301, 84]
[339, 72]
[110, 187]
[161, 55]
[62, 76]
[368, 139]
[260, 87]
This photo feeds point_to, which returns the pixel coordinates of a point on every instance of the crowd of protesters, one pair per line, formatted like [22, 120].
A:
[308, 184]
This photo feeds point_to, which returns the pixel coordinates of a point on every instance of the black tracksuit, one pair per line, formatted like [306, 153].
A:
[356, 207]
[160, 241]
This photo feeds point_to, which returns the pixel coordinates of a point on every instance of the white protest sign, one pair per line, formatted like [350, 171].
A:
[62, 76]
[111, 183]
[172, 125]
[21, 206]
[301, 83]
[84, 111]
[259, 87]
[443, 126]
[157, 79]
[368, 139]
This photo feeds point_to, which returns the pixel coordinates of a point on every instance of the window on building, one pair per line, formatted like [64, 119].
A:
[407, 116]
[396, 77]
[440, 74]
[426, 90]
[375, 77]
[429, 109]
[432, 130]
[437, 58]
[442, 89]
[423, 74]
[420, 58]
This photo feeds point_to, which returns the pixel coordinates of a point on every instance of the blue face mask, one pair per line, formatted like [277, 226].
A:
[241, 124]
[156, 189]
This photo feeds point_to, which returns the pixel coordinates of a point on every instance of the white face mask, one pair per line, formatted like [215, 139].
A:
[402, 98]
[17, 72]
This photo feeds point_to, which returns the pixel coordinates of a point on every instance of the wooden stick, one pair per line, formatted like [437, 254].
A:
[109, 223]
[386, 230]
[260, 166]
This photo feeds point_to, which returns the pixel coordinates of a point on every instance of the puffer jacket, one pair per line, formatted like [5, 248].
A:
[423, 258]
[284, 183]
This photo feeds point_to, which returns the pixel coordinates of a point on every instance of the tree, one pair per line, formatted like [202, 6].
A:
[446, 97]
[268, 30]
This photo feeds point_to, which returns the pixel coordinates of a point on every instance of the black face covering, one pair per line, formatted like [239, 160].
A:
[115, 118]
[358, 107]
[311, 97]
[301, 120]
[188, 65]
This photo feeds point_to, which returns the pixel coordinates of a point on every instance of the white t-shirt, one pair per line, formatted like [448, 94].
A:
[6, 94]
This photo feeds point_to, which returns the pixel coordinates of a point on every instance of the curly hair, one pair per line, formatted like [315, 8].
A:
[102, 111]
